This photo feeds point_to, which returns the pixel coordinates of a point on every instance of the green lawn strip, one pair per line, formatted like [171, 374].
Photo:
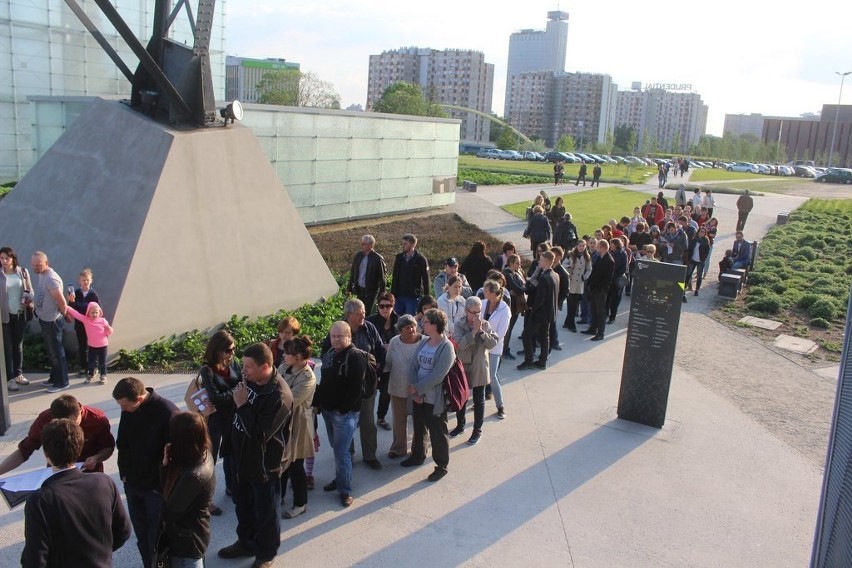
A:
[769, 186]
[609, 173]
[805, 266]
[591, 209]
[708, 174]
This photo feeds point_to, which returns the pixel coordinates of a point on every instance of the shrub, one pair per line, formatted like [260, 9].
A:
[807, 253]
[821, 323]
[768, 303]
[824, 308]
[807, 300]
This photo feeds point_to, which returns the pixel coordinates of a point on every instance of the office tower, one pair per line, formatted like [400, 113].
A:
[242, 75]
[674, 121]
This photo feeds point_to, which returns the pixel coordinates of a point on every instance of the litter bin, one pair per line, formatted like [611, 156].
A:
[471, 187]
[782, 218]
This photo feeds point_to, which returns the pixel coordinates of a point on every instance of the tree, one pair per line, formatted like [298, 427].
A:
[407, 98]
[291, 87]
[496, 129]
[632, 142]
[622, 137]
[608, 144]
[507, 140]
[565, 143]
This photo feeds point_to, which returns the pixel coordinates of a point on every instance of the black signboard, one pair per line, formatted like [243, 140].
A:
[646, 374]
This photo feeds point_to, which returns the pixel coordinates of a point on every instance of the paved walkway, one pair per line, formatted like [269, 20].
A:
[561, 481]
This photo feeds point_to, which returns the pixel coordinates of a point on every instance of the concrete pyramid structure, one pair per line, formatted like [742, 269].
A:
[182, 228]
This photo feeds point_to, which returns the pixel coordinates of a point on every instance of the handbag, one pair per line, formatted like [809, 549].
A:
[29, 310]
[162, 554]
[197, 398]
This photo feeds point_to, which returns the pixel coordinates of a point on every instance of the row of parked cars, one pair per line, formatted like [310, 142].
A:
[830, 175]
[566, 157]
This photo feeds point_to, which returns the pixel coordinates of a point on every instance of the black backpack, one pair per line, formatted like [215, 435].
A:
[371, 374]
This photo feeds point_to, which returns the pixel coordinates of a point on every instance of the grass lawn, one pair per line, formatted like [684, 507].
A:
[613, 172]
[708, 174]
[591, 209]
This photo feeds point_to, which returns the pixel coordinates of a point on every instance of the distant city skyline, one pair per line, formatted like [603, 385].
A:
[741, 57]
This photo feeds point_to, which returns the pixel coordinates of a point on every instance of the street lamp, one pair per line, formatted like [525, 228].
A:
[836, 114]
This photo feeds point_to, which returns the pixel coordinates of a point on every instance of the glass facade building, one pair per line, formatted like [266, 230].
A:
[46, 51]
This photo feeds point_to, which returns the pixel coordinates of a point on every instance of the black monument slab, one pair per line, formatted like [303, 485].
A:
[646, 374]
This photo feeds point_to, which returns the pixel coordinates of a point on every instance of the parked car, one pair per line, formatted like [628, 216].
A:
[763, 169]
[743, 167]
[554, 157]
[490, 153]
[836, 175]
[635, 161]
[784, 170]
[532, 156]
[804, 171]
[511, 155]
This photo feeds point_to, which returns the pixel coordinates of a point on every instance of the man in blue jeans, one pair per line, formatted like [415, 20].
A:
[339, 397]
[50, 308]
[410, 277]
[264, 403]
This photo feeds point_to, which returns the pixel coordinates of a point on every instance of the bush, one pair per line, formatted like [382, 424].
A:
[824, 308]
[807, 253]
[480, 177]
[807, 300]
[767, 303]
[821, 323]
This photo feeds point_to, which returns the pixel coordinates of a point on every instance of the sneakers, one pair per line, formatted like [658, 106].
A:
[457, 431]
[52, 390]
[474, 437]
[381, 423]
[346, 499]
[90, 380]
[47, 383]
[12, 386]
[294, 512]
[310, 480]
[501, 413]
[236, 550]
[526, 365]
[439, 473]
[103, 379]
[330, 486]
[22, 380]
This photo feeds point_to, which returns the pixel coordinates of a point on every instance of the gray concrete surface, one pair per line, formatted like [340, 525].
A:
[732, 479]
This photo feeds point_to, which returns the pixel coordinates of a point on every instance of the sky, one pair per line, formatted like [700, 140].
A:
[751, 56]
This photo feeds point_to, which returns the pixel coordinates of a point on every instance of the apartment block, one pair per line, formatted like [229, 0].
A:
[673, 120]
[242, 75]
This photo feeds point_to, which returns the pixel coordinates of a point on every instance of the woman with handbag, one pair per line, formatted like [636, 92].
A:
[188, 481]
[16, 301]
[219, 375]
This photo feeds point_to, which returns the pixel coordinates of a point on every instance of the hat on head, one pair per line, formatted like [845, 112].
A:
[452, 261]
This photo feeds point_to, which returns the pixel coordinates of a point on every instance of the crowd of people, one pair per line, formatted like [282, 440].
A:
[268, 404]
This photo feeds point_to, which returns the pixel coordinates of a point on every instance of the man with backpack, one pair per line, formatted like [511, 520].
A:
[339, 396]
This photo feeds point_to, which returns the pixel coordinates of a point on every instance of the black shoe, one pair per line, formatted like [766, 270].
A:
[610, 320]
[572, 329]
[374, 464]
[236, 550]
[501, 413]
[457, 431]
[330, 486]
[383, 424]
[566, 326]
[439, 473]
[526, 365]
[509, 356]
[684, 299]
[474, 437]
[488, 395]
[346, 499]
[588, 332]
[520, 352]
[598, 338]
[556, 347]
[696, 293]
[412, 461]
[540, 365]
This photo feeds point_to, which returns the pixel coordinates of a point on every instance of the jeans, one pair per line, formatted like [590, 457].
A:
[424, 419]
[144, 506]
[707, 261]
[52, 332]
[496, 388]
[258, 506]
[341, 432]
[82, 345]
[613, 299]
[405, 305]
[478, 409]
[295, 474]
[97, 355]
[178, 562]
[693, 267]
[13, 344]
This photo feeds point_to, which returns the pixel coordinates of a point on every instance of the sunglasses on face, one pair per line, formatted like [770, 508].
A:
[385, 306]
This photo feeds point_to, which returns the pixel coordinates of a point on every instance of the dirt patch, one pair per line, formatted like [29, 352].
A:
[441, 235]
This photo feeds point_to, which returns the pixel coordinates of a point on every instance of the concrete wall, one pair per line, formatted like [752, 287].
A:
[335, 165]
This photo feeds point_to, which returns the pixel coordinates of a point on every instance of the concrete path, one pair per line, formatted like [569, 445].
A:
[728, 481]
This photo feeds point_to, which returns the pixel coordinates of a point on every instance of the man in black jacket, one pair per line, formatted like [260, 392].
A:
[410, 276]
[598, 285]
[581, 174]
[338, 396]
[564, 285]
[263, 405]
[542, 312]
[368, 273]
[73, 519]
[745, 204]
[143, 432]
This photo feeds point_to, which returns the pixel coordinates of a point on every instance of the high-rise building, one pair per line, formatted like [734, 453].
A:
[242, 75]
[548, 105]
[46, 50]
[451, 77]
[739, 124]
[670, 121]
[537, 50]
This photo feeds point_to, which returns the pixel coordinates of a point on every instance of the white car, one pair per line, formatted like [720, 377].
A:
[744, 167]
[763, 169]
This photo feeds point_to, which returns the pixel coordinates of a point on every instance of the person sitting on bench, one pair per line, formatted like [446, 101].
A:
[741, 251]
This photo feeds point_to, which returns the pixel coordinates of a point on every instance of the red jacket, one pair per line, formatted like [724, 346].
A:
[657, 216]
[96, 432]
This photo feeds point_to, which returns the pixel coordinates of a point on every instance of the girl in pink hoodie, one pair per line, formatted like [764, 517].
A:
[97, 332]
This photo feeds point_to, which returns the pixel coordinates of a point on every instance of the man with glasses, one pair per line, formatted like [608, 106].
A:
[368, 273]
[385, 323]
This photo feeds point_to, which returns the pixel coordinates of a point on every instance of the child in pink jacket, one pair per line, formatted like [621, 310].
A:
[97, 332]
